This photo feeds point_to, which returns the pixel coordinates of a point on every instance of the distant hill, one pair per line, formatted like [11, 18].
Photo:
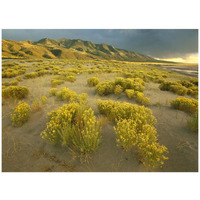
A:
[68, 49]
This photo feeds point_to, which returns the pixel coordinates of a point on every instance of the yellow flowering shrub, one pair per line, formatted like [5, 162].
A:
[187, 105]
[116, 110]
[6, 83]
[18, 92]
[136, 84]
[20, 114]
[92, 81]
[118, 89]
[31, 75]
[130, 93]
[82, 98]
[55, 82]
[53, 91]
[139, 97]
[86, 137]
[105, 88]
[66, 94]
[175, 87]
[178, 89]
[135, 128]
[73, 125]
[71, 78]
[193, 91]
[128, 134]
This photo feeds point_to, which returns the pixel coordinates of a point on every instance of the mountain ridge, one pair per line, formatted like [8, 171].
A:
[65, 48]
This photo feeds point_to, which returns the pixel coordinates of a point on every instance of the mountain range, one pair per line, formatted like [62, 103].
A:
[68, 49]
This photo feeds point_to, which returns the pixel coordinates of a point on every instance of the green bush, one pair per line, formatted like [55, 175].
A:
[18, 92]
[187, 105]
[20, 114]
[92, 81]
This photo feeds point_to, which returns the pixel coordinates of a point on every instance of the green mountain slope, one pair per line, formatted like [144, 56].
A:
[67, 49]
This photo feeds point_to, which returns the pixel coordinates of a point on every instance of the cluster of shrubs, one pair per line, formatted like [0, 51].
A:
[9, 72]
[135, 128]
[65, 94]
[7, 83]
[119, 85]
[180, 87]
[73, 126]
[21, 114]
[187, 105]
[138, 96]
[146, 76]
[18, 92]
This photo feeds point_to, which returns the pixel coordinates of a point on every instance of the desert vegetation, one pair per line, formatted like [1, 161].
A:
[95, 115]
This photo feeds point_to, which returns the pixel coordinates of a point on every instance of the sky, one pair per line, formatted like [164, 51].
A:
[179, 45]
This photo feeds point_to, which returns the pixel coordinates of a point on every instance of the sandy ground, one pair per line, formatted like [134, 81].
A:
[23, 150]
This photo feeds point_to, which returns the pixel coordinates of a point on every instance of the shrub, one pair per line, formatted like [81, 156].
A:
[73, 125]
[71, 78]
[66, 94]
[187, 84]
[92, 81]
[31, 75]
[136, 84]
[116, 110]
[21, 114]
[187, 105]
[193, 91]
[165, 86]
[18, 92]
[193, 123]
[139, 97]
[6, 83]
[18, 78]
[151, 153]
[38, 103]
[130, 93]
[53, 91]
[105, 88]
[178, 89]
[82, 99]
[118, 89]
[55, 82]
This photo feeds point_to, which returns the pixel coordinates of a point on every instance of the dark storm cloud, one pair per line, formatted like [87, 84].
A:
[160, 43]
